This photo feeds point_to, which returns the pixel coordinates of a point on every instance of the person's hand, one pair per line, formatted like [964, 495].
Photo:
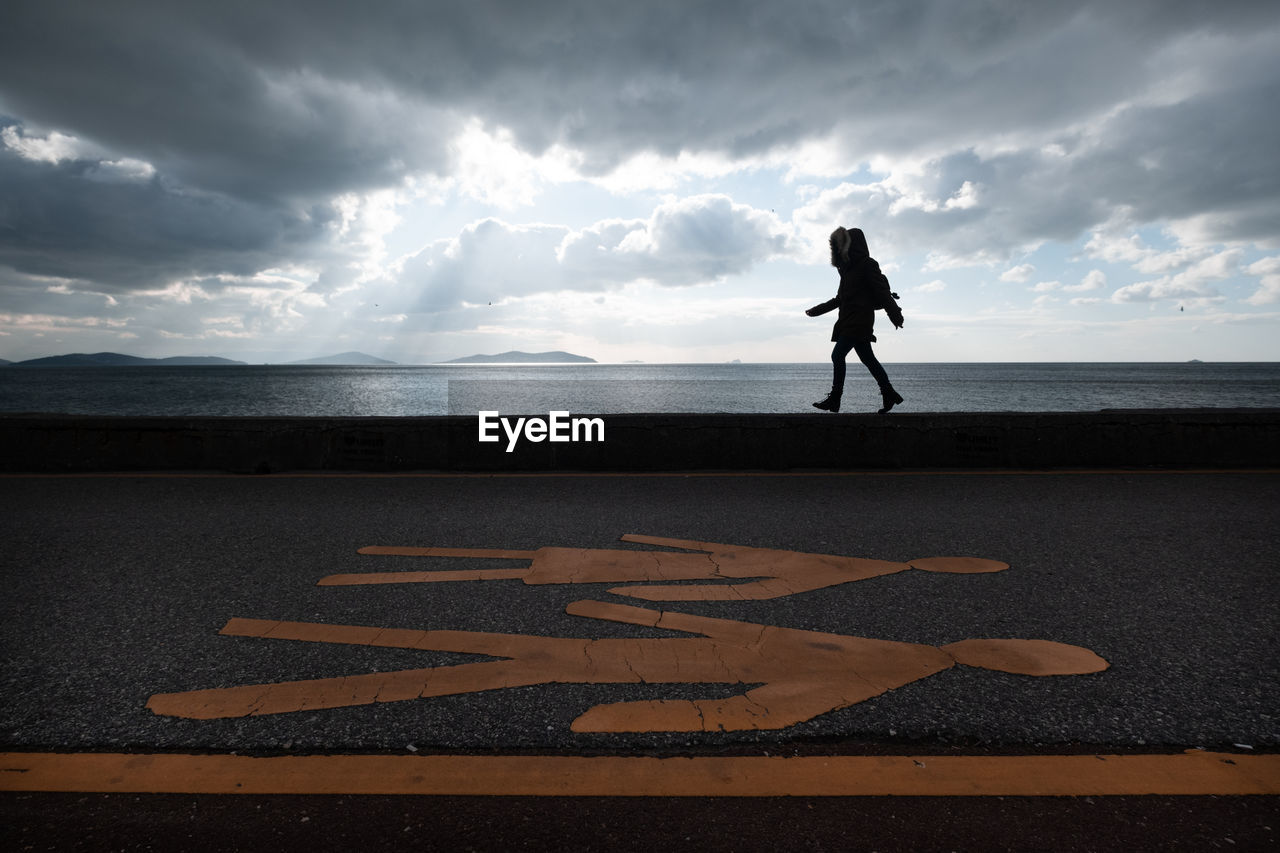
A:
[897, 319]
[810, 312]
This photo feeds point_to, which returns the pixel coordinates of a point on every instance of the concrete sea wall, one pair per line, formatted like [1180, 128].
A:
[1207, 438]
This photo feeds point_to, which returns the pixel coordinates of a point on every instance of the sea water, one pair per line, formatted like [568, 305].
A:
[299, 390]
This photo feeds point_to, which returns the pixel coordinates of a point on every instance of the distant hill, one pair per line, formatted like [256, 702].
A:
[517, 357]
[4, 361]
[115, 359]
[344, 358]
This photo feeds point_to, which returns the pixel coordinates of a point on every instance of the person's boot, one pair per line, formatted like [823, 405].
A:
[831, 404]
[889, 397]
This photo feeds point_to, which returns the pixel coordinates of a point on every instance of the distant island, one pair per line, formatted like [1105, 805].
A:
[115, 359]
[344, 358]
[517, 357]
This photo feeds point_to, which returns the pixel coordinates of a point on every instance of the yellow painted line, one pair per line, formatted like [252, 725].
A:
[523, 475]
[1194, 773]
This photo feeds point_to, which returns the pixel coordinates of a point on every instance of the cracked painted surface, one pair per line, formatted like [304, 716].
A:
[797, 674]
[769, 573]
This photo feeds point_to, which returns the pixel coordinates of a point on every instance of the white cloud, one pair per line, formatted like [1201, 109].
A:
[54, 322]
[684, 242]
[1265, 266]
[53, 147]
[1093, 280]
[963, 198]
[1156, 263]
[1191, 283]
[1268, 270]
[124, 170]
[1020, 273]
[1115, 242]
[648, 171]
[1046, 286]
[491, 167]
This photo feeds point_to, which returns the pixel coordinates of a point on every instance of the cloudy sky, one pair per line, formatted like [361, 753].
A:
[1042, 181]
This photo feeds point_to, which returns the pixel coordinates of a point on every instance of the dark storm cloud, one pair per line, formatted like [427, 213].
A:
[239, 98]
[303, 97]
[62, 219]
[1208, 154]
[1207, 159]
[253, 113]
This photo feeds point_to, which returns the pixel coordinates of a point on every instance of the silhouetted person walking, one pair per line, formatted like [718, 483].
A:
[863, 289]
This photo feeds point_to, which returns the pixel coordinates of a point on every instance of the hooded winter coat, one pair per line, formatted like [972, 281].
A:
[863, 288]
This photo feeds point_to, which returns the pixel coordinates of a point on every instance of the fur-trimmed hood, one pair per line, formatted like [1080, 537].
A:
[848, 245]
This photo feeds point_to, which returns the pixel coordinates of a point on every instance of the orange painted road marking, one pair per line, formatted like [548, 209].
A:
[491, 553]
[522, 475]
[801, 674]
[779, 573]
[1194, 773]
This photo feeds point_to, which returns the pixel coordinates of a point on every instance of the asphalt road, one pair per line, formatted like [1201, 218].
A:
[116, 587]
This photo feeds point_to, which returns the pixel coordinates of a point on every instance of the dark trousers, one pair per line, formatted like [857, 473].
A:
[862, 347]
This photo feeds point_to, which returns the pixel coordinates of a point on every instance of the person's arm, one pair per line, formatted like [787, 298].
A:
[886, 299]
[892, 310]
[819, 310]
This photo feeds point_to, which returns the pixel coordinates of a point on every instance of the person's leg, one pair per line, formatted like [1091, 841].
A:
[868, 357]
[838, 353]
[889, 397]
